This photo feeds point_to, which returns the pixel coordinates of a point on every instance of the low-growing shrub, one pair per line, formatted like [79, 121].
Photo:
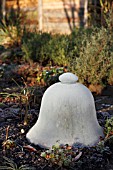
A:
[33, 44]
[62, 155]
[76, 42]
[45, 48]
[95, 62]
[57, 49]
[109, 127]
[110, 76]
[11, 29]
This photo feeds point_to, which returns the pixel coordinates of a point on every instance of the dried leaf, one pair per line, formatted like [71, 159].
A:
[111, 133]
[30, 148]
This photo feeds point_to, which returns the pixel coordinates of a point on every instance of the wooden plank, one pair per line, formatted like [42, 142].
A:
[40, 14]
[61, 5]
[61, 15]
[62, 20]
[58, 13]
[3, 9]
[49, 1]
[58, 28]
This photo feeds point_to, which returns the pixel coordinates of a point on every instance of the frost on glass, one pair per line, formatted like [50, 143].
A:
[67, 115]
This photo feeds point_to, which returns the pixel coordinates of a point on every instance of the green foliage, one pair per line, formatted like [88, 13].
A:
[50, 76]
[95, 62]
[11, 29]
[57, 49]
[61, 155]
[75, 42]
[33, 44]
[110, 76]
[44, 47]
[109, 126]
[106, 5]
[109, 132]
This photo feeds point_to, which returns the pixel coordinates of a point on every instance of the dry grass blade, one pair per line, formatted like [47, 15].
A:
[78, 156]
[11, 165]
[24, 167]
[5, 168]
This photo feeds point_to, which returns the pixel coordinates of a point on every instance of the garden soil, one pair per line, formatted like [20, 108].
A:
[13, 129]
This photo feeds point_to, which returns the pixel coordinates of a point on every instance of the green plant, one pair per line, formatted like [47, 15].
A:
[33, 44]
[106, 5]
[58, 49]
[109, 127]
[50, 75]
[11, 33]
[7, 144]
[110, 76]
[45, 48]
[11, 165]
[62, 155]
[95, 60]
[24, 97]
[75, 42]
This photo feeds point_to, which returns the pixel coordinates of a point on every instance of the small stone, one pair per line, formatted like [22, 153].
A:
[22, 131]
[9, 120]
[68, 78]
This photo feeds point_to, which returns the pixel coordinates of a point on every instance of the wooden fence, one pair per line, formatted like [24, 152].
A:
[63, 15]
[57, 16]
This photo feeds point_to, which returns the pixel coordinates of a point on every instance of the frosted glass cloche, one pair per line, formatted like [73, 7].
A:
[67, 115]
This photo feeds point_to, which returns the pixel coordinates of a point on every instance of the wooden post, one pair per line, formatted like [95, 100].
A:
[86, 13]
[95, 11]
[40, 14]
[3, 9]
